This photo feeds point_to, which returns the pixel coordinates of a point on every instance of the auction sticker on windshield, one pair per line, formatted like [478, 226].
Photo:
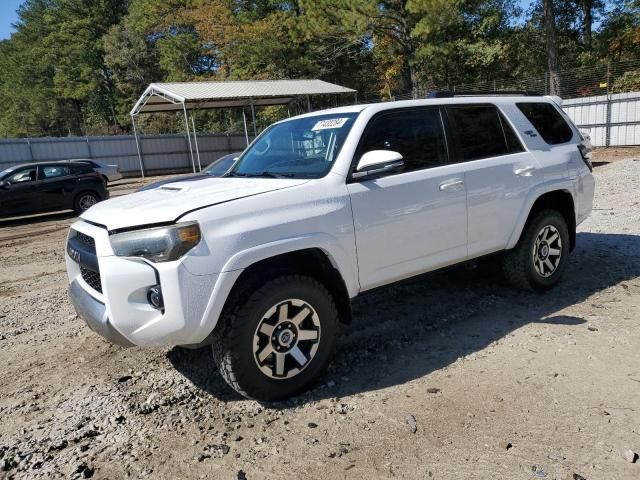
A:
[331, 123]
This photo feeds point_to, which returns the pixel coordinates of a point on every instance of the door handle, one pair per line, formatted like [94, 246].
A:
[451, 185]
[525, 171]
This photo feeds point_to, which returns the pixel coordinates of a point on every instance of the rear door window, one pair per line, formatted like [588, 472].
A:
[417, 134]
[53, 171]
[482, 132]
[547, 121]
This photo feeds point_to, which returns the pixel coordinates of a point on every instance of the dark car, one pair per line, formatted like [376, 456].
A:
[217, 168]
[43, 187]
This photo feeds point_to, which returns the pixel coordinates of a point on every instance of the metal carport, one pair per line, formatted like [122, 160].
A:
[185, 96]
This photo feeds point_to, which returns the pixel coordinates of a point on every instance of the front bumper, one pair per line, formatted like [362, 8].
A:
[113, 299]
[94, 313]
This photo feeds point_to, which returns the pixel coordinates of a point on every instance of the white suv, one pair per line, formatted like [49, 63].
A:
[262, 263]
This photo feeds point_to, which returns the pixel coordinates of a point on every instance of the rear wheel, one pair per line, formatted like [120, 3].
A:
[276, 341]
[540, 257]
[84, 201]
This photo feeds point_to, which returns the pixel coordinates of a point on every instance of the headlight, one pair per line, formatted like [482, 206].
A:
[161, 244]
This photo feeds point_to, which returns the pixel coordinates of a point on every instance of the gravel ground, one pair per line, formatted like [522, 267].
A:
[453, 375]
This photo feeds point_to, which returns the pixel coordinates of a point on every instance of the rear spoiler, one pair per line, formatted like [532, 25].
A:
[555, 99]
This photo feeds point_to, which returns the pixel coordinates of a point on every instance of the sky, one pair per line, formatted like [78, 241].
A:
[8, 15]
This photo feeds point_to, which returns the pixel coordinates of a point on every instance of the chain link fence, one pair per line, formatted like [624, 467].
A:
[599, 79]
[603, 99]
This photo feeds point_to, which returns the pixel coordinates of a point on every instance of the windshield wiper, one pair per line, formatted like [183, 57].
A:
[265, 174]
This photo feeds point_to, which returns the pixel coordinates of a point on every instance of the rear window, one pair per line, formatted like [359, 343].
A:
[547, 121]
[482, 132]
[79, 169]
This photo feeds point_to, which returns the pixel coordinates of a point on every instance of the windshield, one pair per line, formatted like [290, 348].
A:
[300, 148]
[6, 172]
[221, 165]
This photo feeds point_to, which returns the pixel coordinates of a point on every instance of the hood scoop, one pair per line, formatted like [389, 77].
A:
[173, 188]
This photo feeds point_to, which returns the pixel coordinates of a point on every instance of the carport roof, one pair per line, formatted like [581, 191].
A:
[167, 97]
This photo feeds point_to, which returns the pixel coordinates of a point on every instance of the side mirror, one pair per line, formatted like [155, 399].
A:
[378, 162]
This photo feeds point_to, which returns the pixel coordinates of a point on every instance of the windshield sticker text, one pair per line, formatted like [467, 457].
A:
[332, 123]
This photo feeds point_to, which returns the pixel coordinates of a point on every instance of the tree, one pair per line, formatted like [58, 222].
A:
[385, 28]
[587, 21]
[132, 62]
[76, 66]
[619, 38]
[464, 41]
[553, 56]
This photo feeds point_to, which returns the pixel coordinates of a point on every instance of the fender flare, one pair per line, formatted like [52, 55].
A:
[322, 241]
[532, 197]
[234, 267]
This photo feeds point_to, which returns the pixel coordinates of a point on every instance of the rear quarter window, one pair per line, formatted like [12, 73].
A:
[547, 121]
[482, 132]
[81, 169]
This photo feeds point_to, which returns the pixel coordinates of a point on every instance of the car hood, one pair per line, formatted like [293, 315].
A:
[181, 178]
[169, 202]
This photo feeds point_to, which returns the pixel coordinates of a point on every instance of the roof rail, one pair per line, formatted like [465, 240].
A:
[450, 94]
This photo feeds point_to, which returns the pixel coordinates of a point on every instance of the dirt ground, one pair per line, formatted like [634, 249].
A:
[613, 154]
[453, 375]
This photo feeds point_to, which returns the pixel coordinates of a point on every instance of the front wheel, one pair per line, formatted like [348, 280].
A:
[539, 259]
[275, 341]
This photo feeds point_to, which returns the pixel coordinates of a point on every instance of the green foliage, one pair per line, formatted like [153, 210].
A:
[628, 82]
[77, 66]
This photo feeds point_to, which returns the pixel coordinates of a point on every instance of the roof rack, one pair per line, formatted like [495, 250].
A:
[449, 94]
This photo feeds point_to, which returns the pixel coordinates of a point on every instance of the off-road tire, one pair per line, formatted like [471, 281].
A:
[233, 338]
[518, 265]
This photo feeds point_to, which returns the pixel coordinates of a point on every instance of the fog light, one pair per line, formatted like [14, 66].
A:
[155, 297]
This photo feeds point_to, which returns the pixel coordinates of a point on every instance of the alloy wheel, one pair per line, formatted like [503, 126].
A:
[547, 251]
[86, 202]
[286, 339]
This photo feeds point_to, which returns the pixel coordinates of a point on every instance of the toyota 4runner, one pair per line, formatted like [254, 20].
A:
[263, 262]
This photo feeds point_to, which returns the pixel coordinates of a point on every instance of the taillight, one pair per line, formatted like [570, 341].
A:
[584, 153]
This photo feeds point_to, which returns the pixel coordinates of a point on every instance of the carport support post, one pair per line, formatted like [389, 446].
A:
[186, 123]
[30, 149]
[195, 138]
[308, 103]
[253, 118]
[135, 134]
[246, 132]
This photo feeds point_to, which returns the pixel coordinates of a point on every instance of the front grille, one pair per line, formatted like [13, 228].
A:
[86, 240]
[82, 249]
[92, 278]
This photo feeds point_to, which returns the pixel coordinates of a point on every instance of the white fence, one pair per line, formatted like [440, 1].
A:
[612, 120]
[160, 153]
